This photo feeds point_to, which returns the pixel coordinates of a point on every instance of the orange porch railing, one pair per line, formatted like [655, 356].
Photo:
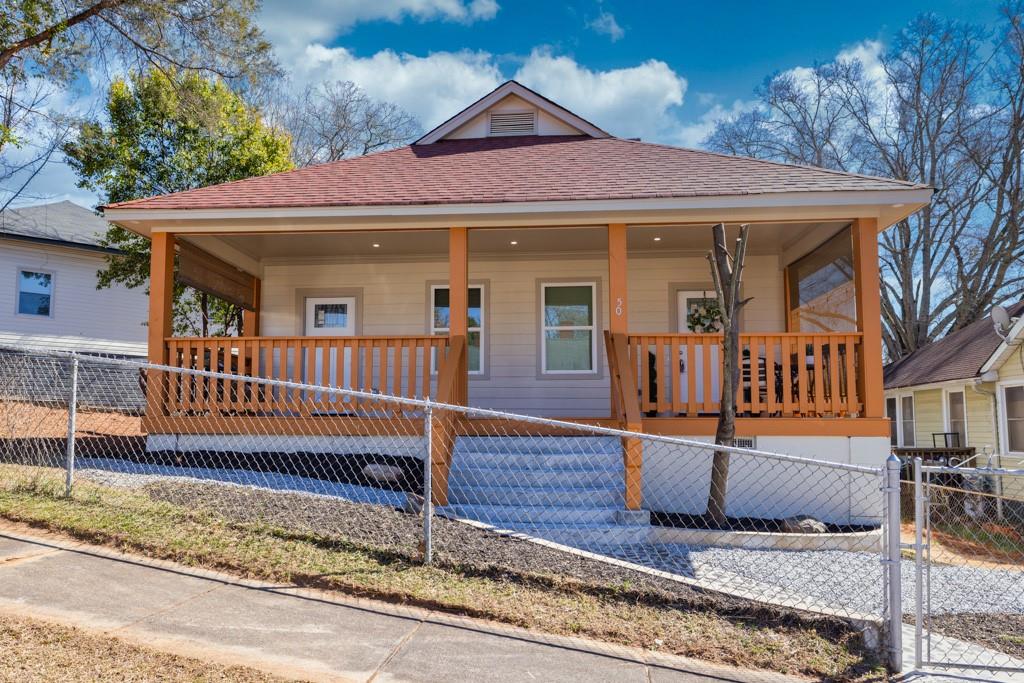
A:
[781, 374]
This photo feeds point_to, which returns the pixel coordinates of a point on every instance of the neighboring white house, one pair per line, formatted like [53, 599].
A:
[49, 256]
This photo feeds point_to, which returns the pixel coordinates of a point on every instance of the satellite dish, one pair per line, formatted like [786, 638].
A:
[1001, 320]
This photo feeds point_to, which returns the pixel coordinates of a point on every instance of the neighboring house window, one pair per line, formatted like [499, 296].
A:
[956, 413]
[440, 322]
[894, 420]
[568, 334]
[907, 420]
[1014, 402]
[35, 293]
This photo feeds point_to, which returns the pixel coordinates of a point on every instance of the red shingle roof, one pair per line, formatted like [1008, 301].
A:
[517, 169]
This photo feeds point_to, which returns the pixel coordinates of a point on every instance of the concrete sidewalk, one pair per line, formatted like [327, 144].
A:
[300, 633]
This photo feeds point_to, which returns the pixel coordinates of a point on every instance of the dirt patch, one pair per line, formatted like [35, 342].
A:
[35, 650]
[950, 549]
[1001, 632]
[21, 419]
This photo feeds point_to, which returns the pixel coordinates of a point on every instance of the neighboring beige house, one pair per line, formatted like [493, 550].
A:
[49, 257]
[518, 257]
[964, 391]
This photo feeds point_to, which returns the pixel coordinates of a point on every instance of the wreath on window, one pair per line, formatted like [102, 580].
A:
[705, 317]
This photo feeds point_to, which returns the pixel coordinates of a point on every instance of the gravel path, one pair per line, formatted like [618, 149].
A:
[846, 580]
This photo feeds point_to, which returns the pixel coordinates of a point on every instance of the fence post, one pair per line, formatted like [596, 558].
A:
[69, 453]
[918, 564]
[428, 495]
[892, 562]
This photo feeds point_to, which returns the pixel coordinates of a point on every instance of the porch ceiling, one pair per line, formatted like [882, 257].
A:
[766, 238]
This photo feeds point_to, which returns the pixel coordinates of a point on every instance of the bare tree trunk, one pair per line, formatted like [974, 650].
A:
[727, 273]
[204, 312]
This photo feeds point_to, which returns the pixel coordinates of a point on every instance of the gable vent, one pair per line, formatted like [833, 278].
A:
[513, 123]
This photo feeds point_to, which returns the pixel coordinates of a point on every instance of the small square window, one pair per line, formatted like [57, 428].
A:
[35, 293]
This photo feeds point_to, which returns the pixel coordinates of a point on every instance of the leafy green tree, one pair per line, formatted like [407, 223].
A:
[168, 133]
[49, 47]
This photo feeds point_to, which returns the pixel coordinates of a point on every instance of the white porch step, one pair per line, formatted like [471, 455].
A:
[497, 474]
[517, 516]
[466, 491]
[540, 445]
[537, 461]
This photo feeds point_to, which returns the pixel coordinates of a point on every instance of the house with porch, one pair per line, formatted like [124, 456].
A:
[520, 258]
[960, 399]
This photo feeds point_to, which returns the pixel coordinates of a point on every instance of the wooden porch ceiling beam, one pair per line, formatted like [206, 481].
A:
[207, 273]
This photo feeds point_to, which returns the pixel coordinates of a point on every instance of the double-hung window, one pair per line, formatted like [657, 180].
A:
[35, 293]
[1013, 400]
[568, 328]
[907, 425]
[956, 416]
[440, 322]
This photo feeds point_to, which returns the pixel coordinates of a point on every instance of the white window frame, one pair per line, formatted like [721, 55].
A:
[444, 331]
[947, 418]
[593, 327]
[1004, 431]
[17, 291]
[899, 396]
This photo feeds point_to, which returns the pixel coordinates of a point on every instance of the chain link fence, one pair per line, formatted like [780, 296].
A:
[458, 485]
[968, 541]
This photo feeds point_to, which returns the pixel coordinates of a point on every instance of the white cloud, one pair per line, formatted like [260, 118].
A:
[629, 102]
[605, 24]
[432, 88]
[693, 133]
[291, 28]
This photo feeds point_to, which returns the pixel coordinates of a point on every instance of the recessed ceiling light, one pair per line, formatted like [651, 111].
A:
[657, 239]
[513, 243]
[376, 246]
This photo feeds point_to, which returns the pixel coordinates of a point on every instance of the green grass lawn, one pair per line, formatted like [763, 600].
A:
[131, 520]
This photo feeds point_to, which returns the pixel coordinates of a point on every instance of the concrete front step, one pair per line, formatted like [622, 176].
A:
[541, 477]
[538, 461]
[540, 445]
[515, 516]
[466, 491]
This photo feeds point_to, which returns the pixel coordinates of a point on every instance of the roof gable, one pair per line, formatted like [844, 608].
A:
[512, 97]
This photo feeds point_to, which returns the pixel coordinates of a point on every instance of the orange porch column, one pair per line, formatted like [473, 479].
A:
[869, 315]
[618, 326]
[251, 319]
[458, 301]
[161, 294]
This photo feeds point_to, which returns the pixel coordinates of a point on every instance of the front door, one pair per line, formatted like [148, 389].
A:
[332, 316]
[686, 303]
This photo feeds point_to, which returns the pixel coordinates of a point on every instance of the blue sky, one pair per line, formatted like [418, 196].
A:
[663, 71]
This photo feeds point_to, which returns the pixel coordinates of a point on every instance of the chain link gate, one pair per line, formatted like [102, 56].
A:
[969, 568]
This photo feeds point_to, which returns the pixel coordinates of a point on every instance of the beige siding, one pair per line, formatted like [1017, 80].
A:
[927, 415]
[394, 300]
[980, 419]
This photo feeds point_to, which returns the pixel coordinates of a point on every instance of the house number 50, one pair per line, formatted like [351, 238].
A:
[618, 307]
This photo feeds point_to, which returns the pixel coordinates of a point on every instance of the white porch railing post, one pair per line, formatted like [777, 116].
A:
[69, 453]
[893, 547]
[428, 497]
